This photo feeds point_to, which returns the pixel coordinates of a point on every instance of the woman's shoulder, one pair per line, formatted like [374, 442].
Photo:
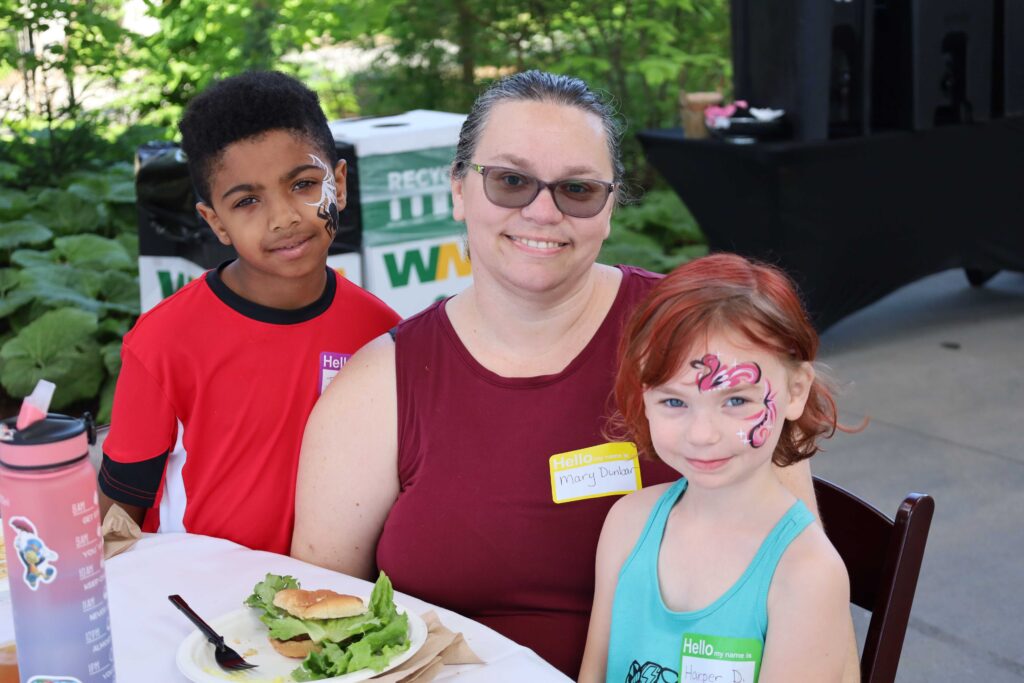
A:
[637, 277]
[370, 369]
[429, 316]
[635, 284]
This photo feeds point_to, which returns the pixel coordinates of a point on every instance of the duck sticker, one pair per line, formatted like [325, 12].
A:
[37, 558]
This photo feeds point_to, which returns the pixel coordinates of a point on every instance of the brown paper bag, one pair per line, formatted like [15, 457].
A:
[442, 647]
[120, 532]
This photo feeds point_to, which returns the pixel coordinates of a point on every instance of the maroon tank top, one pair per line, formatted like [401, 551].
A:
[474, 528]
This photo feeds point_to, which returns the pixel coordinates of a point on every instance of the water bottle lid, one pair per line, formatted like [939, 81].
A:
[53, 441]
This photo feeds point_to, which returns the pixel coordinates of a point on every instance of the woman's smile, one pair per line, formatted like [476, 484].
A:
[537, 245]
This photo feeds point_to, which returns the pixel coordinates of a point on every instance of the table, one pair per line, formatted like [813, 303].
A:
[215, 576]
[852, 220]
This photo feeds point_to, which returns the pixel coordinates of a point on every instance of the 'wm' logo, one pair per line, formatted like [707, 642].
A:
[167, 287]
[438, 265]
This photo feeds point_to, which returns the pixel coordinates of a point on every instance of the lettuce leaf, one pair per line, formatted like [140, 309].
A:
[368, 640]
[263, 594]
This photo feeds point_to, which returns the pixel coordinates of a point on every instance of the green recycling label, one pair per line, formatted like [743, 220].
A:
[717, 659]
[406, 196]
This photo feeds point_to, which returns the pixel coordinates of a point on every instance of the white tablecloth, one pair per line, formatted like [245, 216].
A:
[215, 576]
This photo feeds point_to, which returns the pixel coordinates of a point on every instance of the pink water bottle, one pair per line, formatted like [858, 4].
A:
[51, 520]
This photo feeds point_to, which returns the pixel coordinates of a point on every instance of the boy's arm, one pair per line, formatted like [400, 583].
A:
[809, 625]
[136, 512]
[142, 424]
[348, 466]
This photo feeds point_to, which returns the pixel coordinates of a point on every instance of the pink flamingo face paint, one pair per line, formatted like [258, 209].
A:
[716, 376]
[764, 420]
[712, 375]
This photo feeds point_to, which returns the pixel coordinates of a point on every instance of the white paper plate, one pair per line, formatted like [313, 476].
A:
[247, 635]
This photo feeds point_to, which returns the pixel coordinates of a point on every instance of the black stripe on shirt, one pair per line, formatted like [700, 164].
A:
[132, 483]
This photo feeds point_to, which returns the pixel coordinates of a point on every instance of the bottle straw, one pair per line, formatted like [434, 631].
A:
[36, 404]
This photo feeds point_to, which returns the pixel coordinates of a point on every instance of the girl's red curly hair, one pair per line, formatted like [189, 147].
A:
[720, 293]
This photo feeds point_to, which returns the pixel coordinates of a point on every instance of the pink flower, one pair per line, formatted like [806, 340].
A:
[712, 115]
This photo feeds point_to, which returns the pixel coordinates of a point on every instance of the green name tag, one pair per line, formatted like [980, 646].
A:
[717, 659]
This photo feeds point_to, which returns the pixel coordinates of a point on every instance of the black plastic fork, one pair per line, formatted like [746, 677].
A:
[228, 659]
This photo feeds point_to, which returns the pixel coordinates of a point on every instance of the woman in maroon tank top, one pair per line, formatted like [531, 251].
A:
[467, 455]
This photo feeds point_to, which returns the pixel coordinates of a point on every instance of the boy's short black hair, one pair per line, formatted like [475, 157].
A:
[247, 106]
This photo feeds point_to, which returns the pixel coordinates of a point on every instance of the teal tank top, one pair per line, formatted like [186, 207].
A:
[722, 643]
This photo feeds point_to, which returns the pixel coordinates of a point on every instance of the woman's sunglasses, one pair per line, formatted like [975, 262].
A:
[512, 189]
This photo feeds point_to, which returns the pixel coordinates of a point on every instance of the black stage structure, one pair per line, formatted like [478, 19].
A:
[853, 219]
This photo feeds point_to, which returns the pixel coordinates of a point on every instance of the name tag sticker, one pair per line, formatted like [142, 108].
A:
[610, 469]
[716, 659]
[330, 365]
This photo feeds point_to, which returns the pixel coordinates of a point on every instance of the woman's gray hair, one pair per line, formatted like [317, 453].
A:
[539, 86]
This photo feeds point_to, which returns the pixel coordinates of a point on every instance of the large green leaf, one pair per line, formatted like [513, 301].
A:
[58, 346]
[111, 353]
[13, 203]
[9, 281]
[12, 297]
[106, 401]
[121, 192]
[92, 188]
[130, 242]
[30, 258]
[66, 213]
[93, 251]
[115, 326]
[21, 232]
[120, 292]
[58, 285]
[9, 171]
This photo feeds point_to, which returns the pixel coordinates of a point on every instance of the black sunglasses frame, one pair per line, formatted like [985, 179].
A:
[543, 185]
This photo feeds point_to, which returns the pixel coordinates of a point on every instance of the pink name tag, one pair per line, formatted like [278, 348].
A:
[330, 365]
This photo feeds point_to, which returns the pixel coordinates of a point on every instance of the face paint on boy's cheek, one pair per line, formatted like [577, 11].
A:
[764, 421]
[713, 376]
[327, 206]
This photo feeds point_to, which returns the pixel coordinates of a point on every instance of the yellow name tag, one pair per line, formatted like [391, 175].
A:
[611, 469]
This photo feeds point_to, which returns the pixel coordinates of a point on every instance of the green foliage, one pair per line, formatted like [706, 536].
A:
[58, 346]
[68, 293]
[67, 217]
[638, 51]
[658, 234]
[22, 232]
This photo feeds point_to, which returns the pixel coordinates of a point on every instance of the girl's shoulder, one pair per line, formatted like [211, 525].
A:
[810, 568]
[644, 499]
[630, 513]
[625, 522]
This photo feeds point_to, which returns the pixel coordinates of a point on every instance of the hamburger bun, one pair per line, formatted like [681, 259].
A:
[319, 604]
[299, 649]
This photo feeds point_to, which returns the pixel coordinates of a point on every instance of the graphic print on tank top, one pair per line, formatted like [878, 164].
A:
[649, 672]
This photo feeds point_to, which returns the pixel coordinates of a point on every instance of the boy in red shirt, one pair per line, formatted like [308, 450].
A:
[217, 380]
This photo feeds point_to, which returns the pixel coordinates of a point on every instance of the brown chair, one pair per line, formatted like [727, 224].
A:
[883, 558]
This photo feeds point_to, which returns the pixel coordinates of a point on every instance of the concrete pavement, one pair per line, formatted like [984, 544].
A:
[938, 367]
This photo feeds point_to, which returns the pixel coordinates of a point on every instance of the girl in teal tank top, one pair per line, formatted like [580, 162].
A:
[723, 576]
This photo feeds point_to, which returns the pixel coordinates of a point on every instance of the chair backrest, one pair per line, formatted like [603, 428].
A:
[883, 558]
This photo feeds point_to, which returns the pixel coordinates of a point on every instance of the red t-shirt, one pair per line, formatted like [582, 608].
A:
[475, 528]
[212, 401]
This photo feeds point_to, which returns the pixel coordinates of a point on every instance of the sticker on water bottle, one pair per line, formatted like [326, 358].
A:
[53, 679]
[33, 552]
